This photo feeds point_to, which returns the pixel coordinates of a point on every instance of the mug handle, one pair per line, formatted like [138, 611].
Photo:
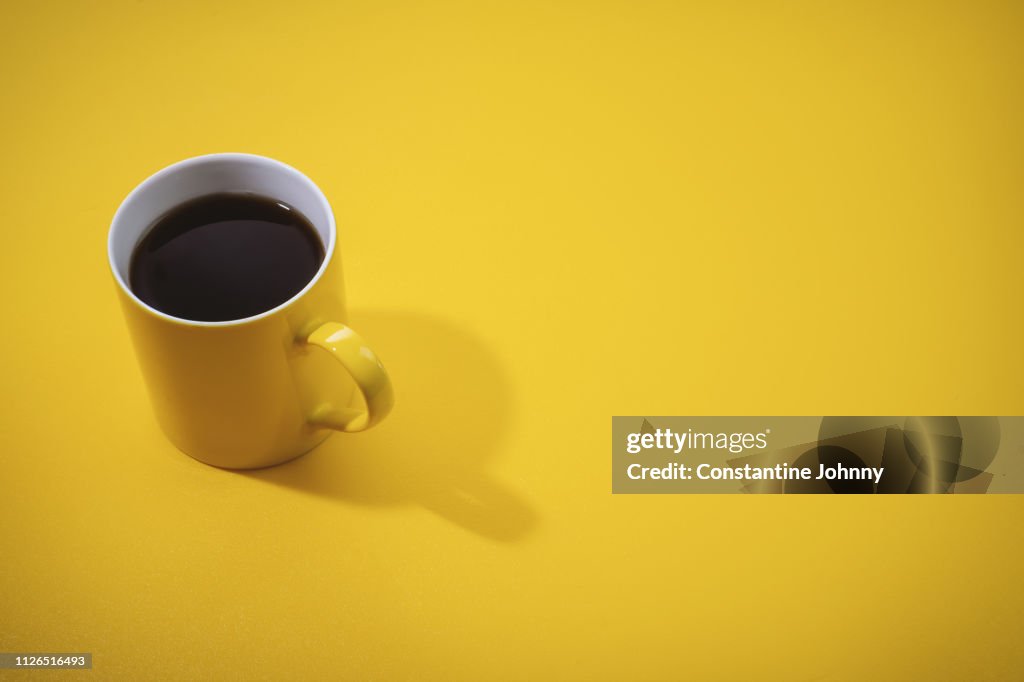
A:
[366, 369]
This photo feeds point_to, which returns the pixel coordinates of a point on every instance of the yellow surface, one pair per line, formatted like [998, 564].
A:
[549, 213]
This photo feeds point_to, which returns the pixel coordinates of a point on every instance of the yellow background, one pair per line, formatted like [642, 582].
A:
[549, 213]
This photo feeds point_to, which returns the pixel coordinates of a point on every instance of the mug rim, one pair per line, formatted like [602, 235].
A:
[223, 156]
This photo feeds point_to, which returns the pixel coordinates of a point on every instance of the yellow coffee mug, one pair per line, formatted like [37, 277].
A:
[249, 393]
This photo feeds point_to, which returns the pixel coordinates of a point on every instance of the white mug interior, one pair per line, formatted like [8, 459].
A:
[212, 174]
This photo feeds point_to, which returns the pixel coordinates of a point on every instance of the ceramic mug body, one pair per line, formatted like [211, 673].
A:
[262, 390]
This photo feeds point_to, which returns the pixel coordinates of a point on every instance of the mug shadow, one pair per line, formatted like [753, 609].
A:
[452, 407]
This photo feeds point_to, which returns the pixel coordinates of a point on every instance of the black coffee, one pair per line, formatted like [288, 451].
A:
[225, 257]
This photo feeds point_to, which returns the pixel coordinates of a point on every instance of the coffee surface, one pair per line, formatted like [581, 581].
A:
[225, 257]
